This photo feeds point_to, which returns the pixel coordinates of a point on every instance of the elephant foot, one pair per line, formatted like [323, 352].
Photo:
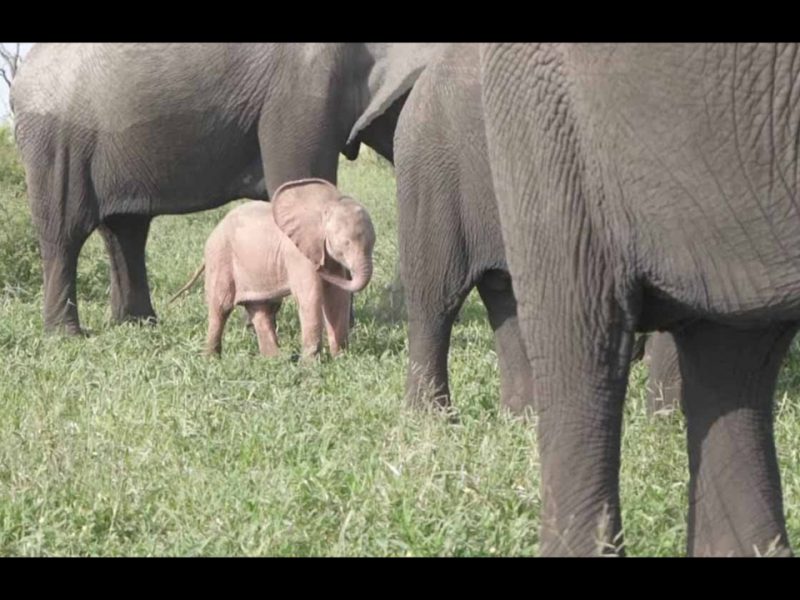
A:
[133, 312]
[68, 330]
[310, 356]
[148, 320]
[437, 406]
[448, 413]
[451, 415]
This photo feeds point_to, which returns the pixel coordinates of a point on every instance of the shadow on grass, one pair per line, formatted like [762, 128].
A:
[389, 308]
[386, 307]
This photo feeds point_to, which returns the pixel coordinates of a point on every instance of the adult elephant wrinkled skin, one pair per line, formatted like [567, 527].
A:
[641, 188]
[113, 134]
[448, 231]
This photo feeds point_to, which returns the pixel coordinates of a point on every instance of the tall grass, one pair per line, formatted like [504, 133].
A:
[20, 269]
[130, 442]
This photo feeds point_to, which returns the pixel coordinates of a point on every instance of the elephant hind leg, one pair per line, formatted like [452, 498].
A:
[60, 267]
[729, 376]
[262, 315]
[217, 317]
[429, 330]
[515, 379]
[64, 213]
[579, 339]
[578, 380]
[125, 237]
[664, 377]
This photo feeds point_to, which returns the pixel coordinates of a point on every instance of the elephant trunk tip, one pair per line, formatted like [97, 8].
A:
[360, 279]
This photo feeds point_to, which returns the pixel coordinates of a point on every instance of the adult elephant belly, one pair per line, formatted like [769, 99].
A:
[715, 227]
[726, 258]
[176, 164]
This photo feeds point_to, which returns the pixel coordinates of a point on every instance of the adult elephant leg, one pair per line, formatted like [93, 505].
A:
[580, 352]
[298, 142]
[515, 381]
[664, 377]
[429, 330]
[125, 237]
[575, 289]
[64, 215]
[577, 319]
[60, 267]
[396, 290]
[729, 375]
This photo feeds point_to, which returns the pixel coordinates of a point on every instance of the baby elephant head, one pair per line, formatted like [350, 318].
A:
[320, 221]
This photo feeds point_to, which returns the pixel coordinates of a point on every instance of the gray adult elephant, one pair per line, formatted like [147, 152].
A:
[113, 134]
[664, 384]
[448, 230]
[645, 187]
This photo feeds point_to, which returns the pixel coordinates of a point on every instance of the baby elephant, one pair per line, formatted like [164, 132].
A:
[302, 243]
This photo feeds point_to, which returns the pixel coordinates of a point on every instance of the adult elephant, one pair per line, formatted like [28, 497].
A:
[113, 134]
[664, 382]
[645, 187]
[450, 240]
[448, 230]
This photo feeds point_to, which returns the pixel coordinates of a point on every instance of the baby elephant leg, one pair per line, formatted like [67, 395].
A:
[262, 315]
[336, 308]
[306, 287]
[217, 317]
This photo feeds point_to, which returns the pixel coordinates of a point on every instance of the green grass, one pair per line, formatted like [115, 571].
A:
[131, 442]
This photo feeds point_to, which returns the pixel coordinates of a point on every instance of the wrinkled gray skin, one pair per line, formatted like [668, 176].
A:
[450, 240]
[448, 231]
[113, 134]
[654, 185]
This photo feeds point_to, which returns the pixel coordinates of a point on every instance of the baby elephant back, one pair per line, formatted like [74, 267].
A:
[256, 242]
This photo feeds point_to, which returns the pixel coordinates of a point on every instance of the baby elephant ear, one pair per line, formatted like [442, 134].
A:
[299, 209]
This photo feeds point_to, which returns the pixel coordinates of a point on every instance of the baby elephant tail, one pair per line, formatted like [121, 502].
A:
[189, 284]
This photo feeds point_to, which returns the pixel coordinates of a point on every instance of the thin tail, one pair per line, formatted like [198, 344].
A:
[189, 284]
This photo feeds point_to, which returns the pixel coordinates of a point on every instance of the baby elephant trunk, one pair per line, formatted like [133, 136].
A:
[362, 273]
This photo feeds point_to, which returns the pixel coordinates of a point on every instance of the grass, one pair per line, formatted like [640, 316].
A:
[131, 442]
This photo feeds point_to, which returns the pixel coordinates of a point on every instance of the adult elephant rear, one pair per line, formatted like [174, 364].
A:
[651, 188]
[112, 135]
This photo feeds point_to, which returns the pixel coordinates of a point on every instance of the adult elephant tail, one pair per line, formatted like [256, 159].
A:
[189, 283]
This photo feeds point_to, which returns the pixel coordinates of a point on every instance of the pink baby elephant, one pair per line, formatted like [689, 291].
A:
[302, 243]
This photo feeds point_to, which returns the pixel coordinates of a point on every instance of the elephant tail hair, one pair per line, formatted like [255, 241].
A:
[189, 283]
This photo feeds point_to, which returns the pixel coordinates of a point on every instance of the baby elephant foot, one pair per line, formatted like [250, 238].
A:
[337, 350]
[212, 351]
[70, 330]
[271, 353]
[310, 354]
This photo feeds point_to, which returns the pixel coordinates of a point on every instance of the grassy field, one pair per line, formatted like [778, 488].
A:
[131, 442]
